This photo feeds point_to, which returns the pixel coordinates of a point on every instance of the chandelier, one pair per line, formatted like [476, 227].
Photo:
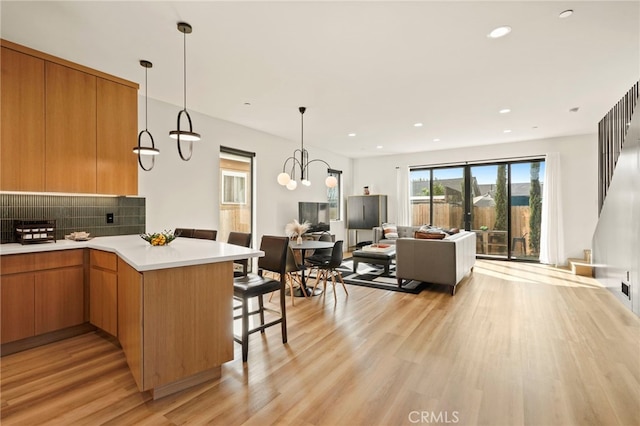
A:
[302, 163]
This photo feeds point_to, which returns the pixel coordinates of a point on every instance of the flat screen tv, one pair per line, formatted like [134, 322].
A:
[317, 214]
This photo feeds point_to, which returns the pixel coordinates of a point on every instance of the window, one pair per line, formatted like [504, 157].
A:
[334, 196]
[500, 201]
[234, 186]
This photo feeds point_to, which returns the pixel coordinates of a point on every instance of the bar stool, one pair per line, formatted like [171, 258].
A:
[242, 239]
[257, 285]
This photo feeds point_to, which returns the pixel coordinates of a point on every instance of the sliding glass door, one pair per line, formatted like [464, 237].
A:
[489, 209]
[501, 202]
[437, 197]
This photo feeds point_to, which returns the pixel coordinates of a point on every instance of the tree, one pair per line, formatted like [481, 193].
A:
[501, 199]
[438, 189]
[535, 207]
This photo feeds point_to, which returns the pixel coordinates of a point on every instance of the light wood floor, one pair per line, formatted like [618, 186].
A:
[517, 344]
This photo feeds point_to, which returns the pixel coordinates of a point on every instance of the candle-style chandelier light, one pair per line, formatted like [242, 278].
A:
[301, 163]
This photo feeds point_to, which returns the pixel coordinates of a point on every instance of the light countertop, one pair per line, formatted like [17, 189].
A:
[142, 256]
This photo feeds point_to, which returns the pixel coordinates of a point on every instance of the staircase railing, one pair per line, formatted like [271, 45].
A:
[612, 131]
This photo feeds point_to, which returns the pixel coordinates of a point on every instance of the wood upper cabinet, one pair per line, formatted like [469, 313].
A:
[65, 127]
[117, 166]
[70, 130]
[22, 147]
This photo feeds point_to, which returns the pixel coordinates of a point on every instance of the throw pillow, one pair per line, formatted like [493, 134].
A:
[424, 228]
[429, 235]
[390, 231]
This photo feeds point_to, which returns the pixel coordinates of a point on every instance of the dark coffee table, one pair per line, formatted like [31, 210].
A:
[384, 258]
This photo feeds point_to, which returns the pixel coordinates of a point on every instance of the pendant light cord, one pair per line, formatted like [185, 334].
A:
[184, 70]
[146, 101]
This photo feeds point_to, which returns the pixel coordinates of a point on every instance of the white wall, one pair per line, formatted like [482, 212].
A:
[616, 243]
[186, 193]
[579, 170]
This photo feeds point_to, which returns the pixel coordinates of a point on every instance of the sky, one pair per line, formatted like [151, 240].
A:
[520, 173]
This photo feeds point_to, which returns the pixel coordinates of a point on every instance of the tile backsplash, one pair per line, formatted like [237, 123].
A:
[73, 213]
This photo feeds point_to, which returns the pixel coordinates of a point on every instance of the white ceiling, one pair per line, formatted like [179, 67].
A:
[371, 68]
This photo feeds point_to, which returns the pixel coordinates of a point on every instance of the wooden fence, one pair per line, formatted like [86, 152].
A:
[447, 215]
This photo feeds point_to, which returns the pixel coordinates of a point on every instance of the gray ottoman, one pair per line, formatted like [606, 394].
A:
[375, 258]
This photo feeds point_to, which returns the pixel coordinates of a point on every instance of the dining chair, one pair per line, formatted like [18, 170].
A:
[242, 239]
[321, 255]
[292, 276]
[329, 267]
[184, 232]
[205, 234]
[257, 285]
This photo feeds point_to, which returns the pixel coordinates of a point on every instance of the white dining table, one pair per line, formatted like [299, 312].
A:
[303, 247]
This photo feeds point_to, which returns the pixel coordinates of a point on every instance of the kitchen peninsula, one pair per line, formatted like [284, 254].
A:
[173, 303]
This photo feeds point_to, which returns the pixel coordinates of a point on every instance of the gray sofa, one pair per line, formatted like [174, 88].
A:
[445, 261]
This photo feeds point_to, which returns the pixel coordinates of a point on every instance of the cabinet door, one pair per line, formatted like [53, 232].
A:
[375, 207]
[103, 300]
[17, 292]
[22, 152]
[355, 212]
[117, 123]
[70, 148]
[59, 299]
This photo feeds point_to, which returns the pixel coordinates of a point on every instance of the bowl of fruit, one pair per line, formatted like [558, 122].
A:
[159, 238]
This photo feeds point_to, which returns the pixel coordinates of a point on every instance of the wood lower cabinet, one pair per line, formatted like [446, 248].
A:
[59, 299]
[22, 122]
[17, 307]
[103, 291]
[41, 292]
[175, 324]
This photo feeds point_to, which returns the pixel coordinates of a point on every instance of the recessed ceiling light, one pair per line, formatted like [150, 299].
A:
[507, 131]
[436, 140]
[351, 134]
[379, 147]
[565, 13]
[247, 103]
[504, 111]
[574, 109]
[418, 124]
[534, 127]
[499, 32]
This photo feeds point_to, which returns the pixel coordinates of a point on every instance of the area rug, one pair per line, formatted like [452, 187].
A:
[374, 276]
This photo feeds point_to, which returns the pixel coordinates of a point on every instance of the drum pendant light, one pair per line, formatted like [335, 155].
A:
[145, 150]
[180, 134]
